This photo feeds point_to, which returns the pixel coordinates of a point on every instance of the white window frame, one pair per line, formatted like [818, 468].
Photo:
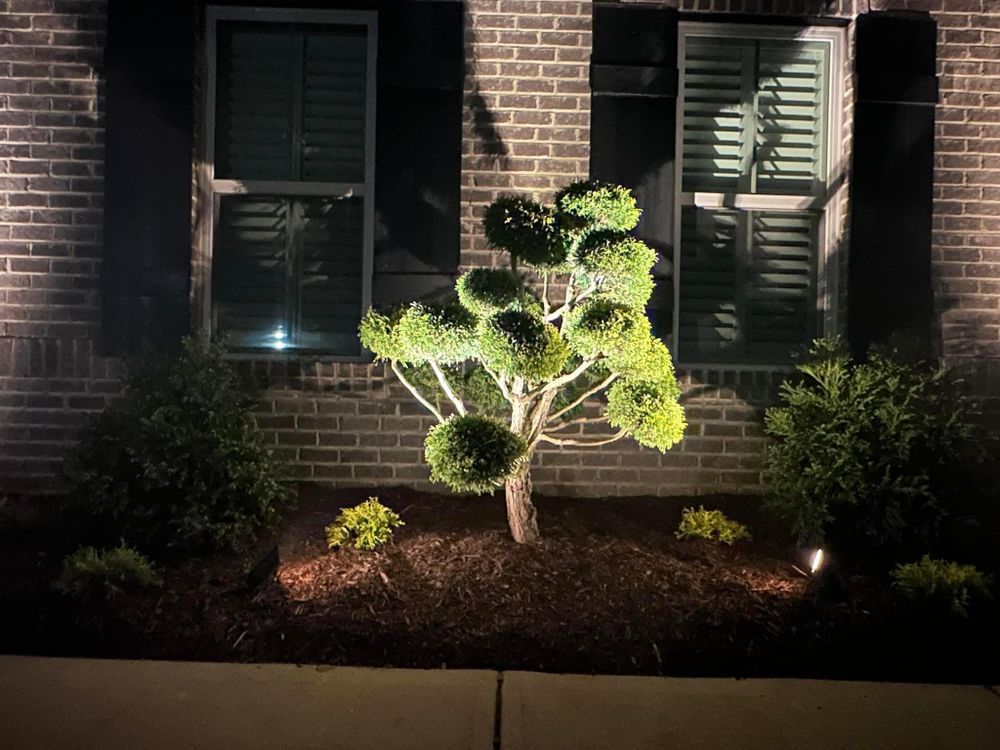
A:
[829, 231]
[211, 189]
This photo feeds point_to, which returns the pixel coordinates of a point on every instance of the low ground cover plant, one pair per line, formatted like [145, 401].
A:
[524, 351]
[942, 583]
[368, 525]
[177, 461]
[90, 571]
[862, 454]
[712, 525]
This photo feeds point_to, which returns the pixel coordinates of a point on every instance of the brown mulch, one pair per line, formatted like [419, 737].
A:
[609, 589]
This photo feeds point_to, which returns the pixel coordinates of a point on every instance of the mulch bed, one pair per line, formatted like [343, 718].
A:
[609, 589]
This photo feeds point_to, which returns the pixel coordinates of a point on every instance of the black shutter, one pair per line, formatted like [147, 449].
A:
[633, 78]
[418, 149]
[149, 68]
[892, 189]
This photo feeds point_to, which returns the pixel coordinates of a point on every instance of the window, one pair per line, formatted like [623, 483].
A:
[755, 214]
[290, 168]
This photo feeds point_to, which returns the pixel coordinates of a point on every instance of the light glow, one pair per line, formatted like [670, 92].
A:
[816, 561]
[279, 338]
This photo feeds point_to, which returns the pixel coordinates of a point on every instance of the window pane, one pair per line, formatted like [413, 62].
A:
[330, 281]
[334, 109]
[791, 127]
[717, 124]
[250, 271]
[255, 108]
[747, 284]
[754, 116]
[709, 283]
[781, 310]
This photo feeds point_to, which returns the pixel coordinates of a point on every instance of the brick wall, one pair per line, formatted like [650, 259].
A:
[526, 129]
[51, 162]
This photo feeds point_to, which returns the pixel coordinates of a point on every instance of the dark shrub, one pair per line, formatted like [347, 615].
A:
[90, 571]
[177, 461]
[861, 453]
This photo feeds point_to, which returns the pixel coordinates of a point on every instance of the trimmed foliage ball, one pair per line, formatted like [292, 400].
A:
[620, 266]
[648, 360]
[522, 345]
[473, 453]
[377, 332]
[527, 230]
[487, 291]
[600, 204]
[603, 327]
[419, 333]
[648, 411]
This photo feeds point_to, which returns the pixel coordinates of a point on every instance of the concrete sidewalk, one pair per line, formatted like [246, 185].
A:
[83, 703]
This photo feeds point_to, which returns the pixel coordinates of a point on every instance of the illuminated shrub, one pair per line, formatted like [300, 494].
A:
[712, 525]
[605, 328]
[860, 453]
[368, 525]
[942, 583]
[599, 204]
[620, 265]
[472, 453]
[90, 571]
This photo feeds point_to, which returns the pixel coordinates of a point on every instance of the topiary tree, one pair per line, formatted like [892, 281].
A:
[515, 368]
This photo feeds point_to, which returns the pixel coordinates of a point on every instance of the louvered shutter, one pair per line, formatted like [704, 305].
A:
[718, 126]
[892, 179]
[146, 259]
[754, 116]
[633, 78]
[256, 103]
[747, 284]
[790, 139]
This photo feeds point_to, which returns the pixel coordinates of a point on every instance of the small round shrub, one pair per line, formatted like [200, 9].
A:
[368, 525]
[522, 345]
[603, 327]
[648, 411]
[487, 291]
[861, 454]
[942, 583]
[620, 266]
[473, 453]
[177, 461]
[527, 230]
[601, 204]
[109, 571]
[712, 525]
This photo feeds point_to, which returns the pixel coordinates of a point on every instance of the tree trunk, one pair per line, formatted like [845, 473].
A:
[520, 510]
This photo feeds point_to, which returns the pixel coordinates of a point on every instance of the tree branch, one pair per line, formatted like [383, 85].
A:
[501, 384]
[586, 443]
[545, 293]
[446, 386]
[592, 392]
[564, 379]
[570, 300]
[416, 394]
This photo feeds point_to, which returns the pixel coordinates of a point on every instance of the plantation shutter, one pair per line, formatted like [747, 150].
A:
[633, 77]
[292, 110]
[754, 124]
[892, 179]
[146, 259]
[419, 153]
